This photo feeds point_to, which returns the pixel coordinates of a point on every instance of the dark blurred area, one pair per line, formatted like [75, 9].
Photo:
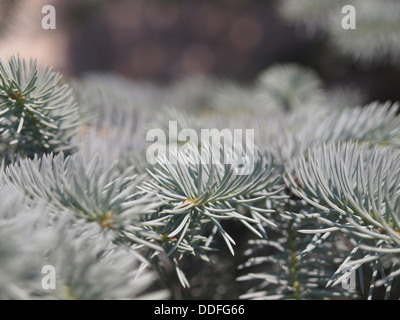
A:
[162, 41]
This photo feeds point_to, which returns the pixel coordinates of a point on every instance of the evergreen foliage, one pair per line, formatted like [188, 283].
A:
[38, 115]
[80, 195]
[375, 40]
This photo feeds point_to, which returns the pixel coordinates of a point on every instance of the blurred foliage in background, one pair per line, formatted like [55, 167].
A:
[162, 41]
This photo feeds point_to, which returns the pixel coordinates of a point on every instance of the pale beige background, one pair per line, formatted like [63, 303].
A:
[25, 36]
